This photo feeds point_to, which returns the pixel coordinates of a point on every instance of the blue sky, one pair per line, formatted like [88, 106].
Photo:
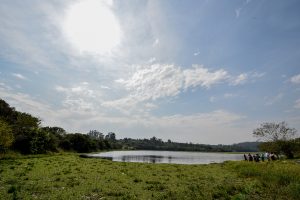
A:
[190, 71]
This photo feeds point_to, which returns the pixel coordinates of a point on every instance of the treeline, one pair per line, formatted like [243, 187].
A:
[23, 132]
[158, 144]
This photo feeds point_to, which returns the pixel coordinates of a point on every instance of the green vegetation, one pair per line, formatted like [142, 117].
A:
[157, 144]
[67, 176]
[6, 136]
[278, 138]
[22, 132]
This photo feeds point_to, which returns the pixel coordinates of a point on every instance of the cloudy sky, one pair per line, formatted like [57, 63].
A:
[205, 71]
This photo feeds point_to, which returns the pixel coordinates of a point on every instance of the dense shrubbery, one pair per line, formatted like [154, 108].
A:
[22, 132]
[6, 136]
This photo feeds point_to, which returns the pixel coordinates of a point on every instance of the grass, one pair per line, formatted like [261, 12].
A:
[67, 176]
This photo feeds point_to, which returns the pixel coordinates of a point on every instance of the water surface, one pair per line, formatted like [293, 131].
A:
[176, 157]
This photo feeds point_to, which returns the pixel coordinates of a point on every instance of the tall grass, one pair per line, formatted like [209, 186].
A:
[67, 176]
[276, 179]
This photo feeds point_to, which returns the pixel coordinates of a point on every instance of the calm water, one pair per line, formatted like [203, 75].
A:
[177, 157]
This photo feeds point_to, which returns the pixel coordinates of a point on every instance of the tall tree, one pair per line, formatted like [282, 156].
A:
[277, 137]
[111, 136]
[97, 135]
[7, 113]
[6, 136]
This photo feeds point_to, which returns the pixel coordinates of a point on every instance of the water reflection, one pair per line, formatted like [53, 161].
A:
[167, 157]
[142, 158]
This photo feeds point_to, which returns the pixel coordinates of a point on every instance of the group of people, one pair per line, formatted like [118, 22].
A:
[260, 157]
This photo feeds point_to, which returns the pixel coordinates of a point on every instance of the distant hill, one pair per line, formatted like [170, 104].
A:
[246, 146]
[158, 144]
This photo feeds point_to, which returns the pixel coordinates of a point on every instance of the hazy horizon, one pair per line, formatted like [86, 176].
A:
[206, 72]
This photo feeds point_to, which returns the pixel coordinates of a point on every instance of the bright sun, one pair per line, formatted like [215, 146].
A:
[91, 27]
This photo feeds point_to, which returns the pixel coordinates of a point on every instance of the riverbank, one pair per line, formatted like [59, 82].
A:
[67, 176]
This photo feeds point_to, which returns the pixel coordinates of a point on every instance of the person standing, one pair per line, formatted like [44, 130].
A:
[263, 157]
[257, 157]
[250, 157]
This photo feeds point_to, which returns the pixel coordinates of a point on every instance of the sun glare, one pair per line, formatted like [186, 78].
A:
[91, 27]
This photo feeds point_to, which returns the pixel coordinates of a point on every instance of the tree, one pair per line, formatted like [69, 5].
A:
[57, 131]
[111, 137]
[35, 141]
[25, 121]
[7, 113]
[6, 136]
[277, 137]
[81, 143]
[97, 135]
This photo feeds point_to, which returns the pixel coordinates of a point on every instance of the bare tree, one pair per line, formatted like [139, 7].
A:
[272, 132]
[277, 138]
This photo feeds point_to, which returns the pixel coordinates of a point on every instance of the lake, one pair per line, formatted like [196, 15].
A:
[175, 157]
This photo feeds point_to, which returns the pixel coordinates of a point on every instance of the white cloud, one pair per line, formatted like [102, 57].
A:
[19, 76]
[23, 102]
[200, 76]
[211, 127]
[17, 35]
[295, 79]
[196, 53]
[237, 12]
[156, 42]
[152, 60]
[212, 99]
[257, 74]
[155, 81]
[240, 79]
[246, 77]
[297, 104]
[159, 81]
[79, 97]
[219, 126]
[150, 105]
[272, 100]
[229, 95]
[104, 87]
[152, 82]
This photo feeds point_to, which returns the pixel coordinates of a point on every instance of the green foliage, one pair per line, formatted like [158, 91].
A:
[7, 113]
[35, 141]
[81, 143]
[30, 138]
[56, 131]
[97, 135]
[158, 144]
[6, 136]
[278, 138]
[269, 147]
[282, 178]
[271, 132]
[111, 136]
[25, 122]
[67, 176]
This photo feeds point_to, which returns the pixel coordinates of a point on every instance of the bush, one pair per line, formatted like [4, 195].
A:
[6, 136]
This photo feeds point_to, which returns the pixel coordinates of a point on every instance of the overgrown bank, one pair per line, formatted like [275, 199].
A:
[68, 176]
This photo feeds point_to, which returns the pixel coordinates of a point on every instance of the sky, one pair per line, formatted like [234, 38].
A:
[203, 71]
